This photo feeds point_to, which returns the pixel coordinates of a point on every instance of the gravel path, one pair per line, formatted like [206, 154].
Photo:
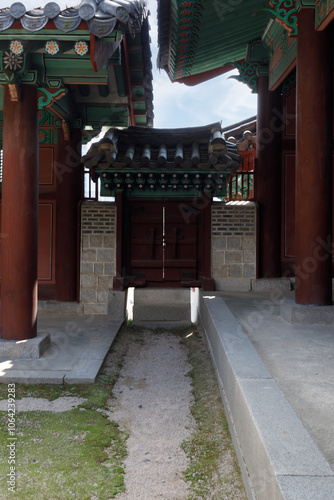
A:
[40, 404]
[153, 398]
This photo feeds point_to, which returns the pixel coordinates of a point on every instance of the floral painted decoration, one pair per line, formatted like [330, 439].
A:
[16, 47]
[12, 62]
[81, 48]
[52, 47]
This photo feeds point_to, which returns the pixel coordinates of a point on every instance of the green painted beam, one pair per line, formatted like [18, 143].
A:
[45, 34]
[112, 116]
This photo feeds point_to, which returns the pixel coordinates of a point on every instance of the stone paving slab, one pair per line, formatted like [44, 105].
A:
[76, 353]
[32, 377]
[265, 284]
[290, 448]
[299, 357]
[309, 488]
[276, 452]
[152, 325]
[84, 372]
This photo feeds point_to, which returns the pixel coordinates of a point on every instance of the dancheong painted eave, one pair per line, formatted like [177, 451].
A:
[98, 51]
[197, 36]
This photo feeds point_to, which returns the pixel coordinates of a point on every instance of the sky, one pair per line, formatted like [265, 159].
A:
[176, 105]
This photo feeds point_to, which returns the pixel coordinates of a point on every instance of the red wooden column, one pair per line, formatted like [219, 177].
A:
[314, 163]
[69, 193]
[19, 216]
[268, 179]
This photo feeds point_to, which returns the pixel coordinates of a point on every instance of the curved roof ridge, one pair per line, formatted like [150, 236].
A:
[103, 16]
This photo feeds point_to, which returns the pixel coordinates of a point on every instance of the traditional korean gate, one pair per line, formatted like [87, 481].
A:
[162, 244]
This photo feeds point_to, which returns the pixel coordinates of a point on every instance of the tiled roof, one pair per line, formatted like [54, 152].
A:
[154, 162]
[195, 147]
[102, 16]
[197, 36]
[183, 162]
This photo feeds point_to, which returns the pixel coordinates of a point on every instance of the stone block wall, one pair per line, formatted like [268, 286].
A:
[233, 243]
[98, 255]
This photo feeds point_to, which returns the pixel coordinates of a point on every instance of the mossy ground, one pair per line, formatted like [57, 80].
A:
[213, 472]
[71, 454]
[80, 453]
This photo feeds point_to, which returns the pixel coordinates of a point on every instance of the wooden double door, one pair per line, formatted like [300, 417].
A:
[163, 244]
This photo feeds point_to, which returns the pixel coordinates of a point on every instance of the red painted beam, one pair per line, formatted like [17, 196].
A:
[128, 81]
[193, 80]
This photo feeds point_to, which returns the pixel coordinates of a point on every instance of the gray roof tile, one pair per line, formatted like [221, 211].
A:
[103, 16]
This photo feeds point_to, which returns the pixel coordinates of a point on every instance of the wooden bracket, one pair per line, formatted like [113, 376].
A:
[14, 92]
[66, 130]
[46, 97]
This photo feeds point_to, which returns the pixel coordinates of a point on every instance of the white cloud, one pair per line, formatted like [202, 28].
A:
[219, 99]
[178, 105]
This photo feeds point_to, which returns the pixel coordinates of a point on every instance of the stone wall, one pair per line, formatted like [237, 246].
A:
[98, 255]
[233, 250]
[233, 259]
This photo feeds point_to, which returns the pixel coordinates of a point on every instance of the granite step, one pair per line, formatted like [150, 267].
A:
[161, 306]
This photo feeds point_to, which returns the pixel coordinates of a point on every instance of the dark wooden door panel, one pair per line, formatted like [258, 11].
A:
[163, 245]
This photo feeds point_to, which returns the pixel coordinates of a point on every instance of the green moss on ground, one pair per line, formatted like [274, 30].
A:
[213, 471]
[72, 454]
[80, 453]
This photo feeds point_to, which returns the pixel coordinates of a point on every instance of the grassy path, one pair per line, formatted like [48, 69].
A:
[81, 452]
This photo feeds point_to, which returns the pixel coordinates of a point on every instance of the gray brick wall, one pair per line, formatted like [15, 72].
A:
[233, 258]
[233, 250]
[98, 255]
